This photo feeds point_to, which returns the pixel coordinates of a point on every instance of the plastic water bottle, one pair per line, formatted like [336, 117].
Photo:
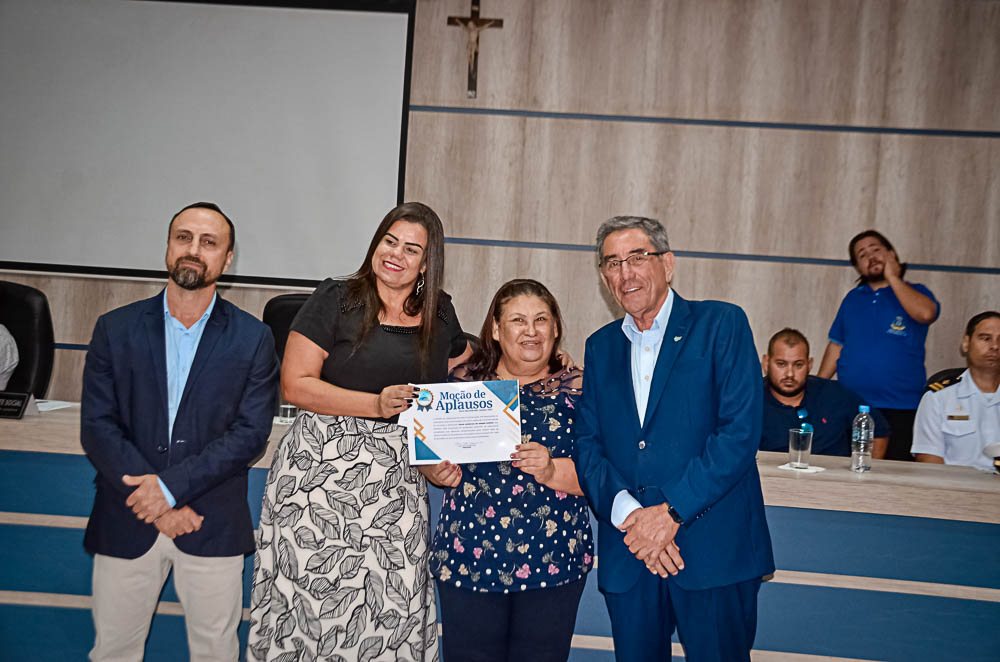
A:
[804, 425]
[862, 433]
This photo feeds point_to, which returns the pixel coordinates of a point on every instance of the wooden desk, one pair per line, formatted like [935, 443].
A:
[59, 432]
[909, 549]
[911, 489]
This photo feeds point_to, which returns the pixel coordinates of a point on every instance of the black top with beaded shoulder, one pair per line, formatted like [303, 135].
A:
[389, 355]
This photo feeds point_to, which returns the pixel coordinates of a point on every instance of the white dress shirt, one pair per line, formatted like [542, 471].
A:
[645, 351]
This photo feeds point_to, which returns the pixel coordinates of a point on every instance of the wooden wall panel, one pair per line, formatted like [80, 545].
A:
[77, 301]
[722, 189]
[474, 273]
[938, 199]
[791, 191]
[67, 375]
[945, 65]
[929, 64]
[915, 63]
[774, 295]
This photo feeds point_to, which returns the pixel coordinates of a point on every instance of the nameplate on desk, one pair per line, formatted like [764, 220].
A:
[16, 405]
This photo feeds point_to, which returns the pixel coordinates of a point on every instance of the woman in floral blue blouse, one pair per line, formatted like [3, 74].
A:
[513, 544]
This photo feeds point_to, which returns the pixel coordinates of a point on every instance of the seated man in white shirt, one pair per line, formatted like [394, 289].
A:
[8, 356]
[955, 423]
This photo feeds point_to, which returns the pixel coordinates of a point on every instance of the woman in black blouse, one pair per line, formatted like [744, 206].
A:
[513, 544]
[341, 566]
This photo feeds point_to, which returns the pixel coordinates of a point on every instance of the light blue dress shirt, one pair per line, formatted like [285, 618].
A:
[182, 343]
[645, 350]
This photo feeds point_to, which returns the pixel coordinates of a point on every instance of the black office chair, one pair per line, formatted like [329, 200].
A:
[472, 339]
[278, 314]
[25, 312]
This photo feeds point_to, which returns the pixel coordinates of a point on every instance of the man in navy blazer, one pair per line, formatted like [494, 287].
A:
[668, 426]
[178, 396]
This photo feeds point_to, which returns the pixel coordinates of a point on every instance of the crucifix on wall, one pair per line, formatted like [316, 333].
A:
[473, 26]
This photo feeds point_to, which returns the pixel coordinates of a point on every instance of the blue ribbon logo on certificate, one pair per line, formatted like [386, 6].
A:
[463, 422]
[425, 399]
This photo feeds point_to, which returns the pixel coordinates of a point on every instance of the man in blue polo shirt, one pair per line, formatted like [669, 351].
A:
[792, 396]
[877, 339]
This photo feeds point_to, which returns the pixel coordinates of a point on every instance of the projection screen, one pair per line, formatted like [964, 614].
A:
[116, 114]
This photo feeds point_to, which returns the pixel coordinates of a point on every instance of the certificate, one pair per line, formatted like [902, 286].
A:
[463, 422]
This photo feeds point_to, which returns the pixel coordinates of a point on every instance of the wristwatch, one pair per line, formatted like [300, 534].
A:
[674, 515]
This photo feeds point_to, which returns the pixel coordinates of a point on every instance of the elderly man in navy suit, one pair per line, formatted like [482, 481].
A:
[178, 394]
[669, 425]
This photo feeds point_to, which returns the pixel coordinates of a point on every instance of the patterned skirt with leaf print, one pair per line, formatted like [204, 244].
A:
[341, 569]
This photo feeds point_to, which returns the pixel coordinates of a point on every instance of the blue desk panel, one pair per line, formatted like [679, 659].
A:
[794, 618]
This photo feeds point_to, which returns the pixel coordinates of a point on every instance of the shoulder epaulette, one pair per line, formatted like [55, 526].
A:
[944, 382]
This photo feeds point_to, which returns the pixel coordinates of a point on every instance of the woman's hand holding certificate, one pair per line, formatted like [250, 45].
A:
[463, 422]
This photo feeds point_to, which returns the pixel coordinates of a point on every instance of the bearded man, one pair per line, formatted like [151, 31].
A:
[792, 397]
[178, 397]
[877, 340]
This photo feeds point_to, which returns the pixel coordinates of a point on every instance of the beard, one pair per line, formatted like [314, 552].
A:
[876, 274]
[784, 391]
[189, 277]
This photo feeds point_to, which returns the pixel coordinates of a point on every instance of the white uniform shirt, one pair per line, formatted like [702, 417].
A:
[957, 422]
[8, 356]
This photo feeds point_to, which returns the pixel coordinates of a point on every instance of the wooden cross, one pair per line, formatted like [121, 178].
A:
[473, 26]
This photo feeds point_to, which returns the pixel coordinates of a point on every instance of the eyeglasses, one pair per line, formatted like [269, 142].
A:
[635, 260]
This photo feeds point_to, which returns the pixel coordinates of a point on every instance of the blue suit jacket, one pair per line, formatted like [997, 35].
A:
[701, 432]
[222, 423]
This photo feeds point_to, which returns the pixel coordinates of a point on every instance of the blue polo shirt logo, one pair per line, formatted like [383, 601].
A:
[897, 328]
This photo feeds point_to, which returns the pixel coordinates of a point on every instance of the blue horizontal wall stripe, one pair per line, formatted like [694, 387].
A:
[71, 345]
[69, 483]
[69, 488]
[585, 655]
[887, 546]
[708, 255]
[715, 255]
[592, 616]
[870, 625]
[687, 121]
[509, 243]
[953, 268]
[795, 619]
[51, 634]
[53, 560]
[804, 539]
[43, 559]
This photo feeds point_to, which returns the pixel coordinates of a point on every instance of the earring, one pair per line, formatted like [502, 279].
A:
[420, 285]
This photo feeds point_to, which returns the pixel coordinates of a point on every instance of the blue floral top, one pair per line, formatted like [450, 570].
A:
[499, 530]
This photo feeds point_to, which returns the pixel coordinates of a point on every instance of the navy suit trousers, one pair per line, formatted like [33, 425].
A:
[713, 625]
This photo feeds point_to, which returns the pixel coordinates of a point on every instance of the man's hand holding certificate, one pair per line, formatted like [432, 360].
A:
[463, 422]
